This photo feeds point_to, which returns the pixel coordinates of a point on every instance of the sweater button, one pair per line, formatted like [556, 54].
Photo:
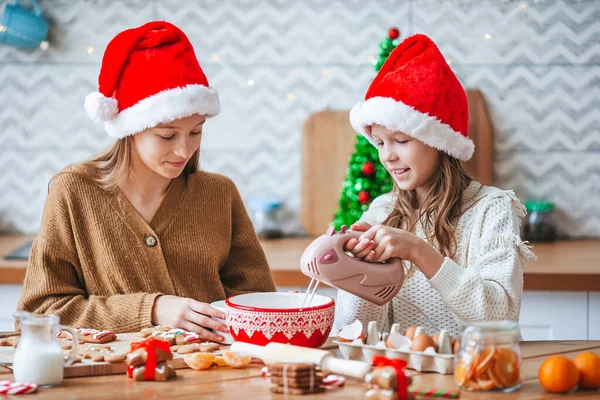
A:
[150, 240]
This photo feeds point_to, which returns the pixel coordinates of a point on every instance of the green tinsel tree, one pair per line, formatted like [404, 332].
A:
[366, 178]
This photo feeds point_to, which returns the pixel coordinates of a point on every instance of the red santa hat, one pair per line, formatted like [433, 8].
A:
[149, 75]
[417, 93]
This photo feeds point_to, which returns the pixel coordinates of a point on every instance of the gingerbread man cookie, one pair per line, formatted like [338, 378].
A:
[101, 353]
[206, 347]
[144, 333]
[10, 341]
[91, 335]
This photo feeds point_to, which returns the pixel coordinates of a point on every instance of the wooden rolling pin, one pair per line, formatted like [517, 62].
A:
[274, 353]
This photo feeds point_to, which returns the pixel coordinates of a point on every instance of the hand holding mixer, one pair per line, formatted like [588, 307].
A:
[325, 260]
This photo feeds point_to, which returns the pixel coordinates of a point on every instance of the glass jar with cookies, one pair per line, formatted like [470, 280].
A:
[489, 357]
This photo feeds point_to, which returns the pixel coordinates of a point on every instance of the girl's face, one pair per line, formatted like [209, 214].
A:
[166, 148]
[410, 162]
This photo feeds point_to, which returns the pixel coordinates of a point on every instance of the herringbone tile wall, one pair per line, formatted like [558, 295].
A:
[537, 63]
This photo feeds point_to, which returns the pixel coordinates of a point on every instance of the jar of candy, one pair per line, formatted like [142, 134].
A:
[489, 357]
[539, 225]
[264, 213]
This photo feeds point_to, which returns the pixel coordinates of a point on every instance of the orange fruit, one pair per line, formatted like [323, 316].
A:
[460, 373]
[199, 361]
[506, 369]
[484, 381]
[235, 360]
[588, 364]
[464, 372]
[220, 362]
[558, 374]
[484, 360]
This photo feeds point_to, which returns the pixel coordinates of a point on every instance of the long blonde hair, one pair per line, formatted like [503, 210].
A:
[110, 169]
[440, 209]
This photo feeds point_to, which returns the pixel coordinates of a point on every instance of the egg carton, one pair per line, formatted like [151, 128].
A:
[428, 360]
[417, 360]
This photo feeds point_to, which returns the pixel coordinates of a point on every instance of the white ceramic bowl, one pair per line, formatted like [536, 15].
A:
[220, 305]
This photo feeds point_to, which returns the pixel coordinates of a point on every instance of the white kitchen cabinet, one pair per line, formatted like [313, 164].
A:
[594, 316]
[9, 297]
[554, 316]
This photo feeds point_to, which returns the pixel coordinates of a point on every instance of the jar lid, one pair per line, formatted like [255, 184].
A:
[539, 206]
[493, 331]
[266, 203]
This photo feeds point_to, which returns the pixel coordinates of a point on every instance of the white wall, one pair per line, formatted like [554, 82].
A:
[539, 72]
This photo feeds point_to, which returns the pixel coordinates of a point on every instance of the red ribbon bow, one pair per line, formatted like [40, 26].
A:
[150, 345]
[398, 365]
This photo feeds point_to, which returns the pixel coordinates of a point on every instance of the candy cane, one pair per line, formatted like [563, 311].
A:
[7, 387]
[445, 393]
[333, 381]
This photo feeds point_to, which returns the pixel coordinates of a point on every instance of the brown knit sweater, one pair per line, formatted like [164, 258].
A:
[97, 264]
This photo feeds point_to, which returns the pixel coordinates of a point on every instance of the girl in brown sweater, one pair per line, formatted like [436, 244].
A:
[138, 236]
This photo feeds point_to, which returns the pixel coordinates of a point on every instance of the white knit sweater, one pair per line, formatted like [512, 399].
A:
[483, 282]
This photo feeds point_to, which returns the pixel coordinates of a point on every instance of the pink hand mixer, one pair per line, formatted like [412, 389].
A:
[325, 260]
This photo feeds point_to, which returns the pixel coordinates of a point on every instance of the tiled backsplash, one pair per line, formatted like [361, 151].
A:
[537, 63]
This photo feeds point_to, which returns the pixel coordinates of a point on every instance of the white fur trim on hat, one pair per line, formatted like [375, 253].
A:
[99, 107]
[162, 107]
[397, 116]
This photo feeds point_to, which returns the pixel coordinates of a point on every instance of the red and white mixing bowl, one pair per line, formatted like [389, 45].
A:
[261, 318]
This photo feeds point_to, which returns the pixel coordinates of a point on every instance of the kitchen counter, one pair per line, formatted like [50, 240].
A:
[561, 266]
[224, 383]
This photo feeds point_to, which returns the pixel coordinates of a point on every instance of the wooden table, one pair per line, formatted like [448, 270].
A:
[225, 383]
[562, 265]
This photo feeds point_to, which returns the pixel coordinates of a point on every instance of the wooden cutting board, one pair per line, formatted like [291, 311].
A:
[328, 140]
[91, 368]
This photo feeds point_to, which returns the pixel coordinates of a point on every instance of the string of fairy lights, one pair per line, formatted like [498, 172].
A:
[253, 82]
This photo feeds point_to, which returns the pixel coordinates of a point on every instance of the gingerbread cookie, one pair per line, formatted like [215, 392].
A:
[91, 335]
[303, 382]
[173, 336]
[295, 391]
[65, 344]
[10, 341]
[137, 364]
[101, 353]
[139, 357]
[164, 336]
[187, 338]
[163, 372]
[206, 347]
[293, 369]
[296, 378]
[145, 332]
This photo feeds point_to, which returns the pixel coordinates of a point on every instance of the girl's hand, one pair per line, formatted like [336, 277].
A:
[188, 314]
[395, 242]
[390, 242]
[359, 248]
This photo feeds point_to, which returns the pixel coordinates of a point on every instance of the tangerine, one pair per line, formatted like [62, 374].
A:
[235, 360]
[558, 374]
[588, 364]
[199, 361]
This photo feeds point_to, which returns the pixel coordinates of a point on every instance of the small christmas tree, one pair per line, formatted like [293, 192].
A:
[366, 178]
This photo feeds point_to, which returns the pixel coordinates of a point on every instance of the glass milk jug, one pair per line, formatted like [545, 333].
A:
[38, 357]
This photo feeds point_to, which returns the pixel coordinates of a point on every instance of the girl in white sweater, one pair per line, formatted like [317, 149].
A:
[463, 257]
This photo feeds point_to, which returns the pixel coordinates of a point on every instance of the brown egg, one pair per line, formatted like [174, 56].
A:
[410, 332]
[421, 342]
[436, 339]
[455, 346]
